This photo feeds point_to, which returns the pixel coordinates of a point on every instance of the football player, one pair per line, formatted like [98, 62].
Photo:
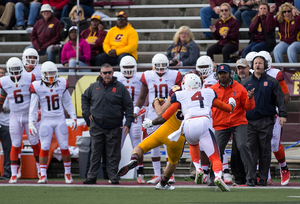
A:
[157, 83]
[195, 104]
[30, 59]
[15, 86]
[129, 76]
[52, 94]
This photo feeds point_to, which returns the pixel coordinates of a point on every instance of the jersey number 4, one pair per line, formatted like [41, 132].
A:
[53, 102]
[198, 97]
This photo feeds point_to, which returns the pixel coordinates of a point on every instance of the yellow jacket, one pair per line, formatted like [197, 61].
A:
[123, 40]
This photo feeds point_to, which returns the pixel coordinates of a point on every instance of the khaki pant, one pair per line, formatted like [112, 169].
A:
[7, 14]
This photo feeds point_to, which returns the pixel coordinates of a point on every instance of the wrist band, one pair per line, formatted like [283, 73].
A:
[136, 109]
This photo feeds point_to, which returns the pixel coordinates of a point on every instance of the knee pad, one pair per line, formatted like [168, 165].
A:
[63, 128]
[16, 142]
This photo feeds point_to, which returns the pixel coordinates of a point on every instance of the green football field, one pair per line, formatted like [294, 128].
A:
[89, 194]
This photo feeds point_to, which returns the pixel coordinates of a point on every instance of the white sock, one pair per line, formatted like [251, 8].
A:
[38, 167]
[197, 165]
[269, 174]
[43, 168]
[156, 167]
[282, 164]
[67, 166]
[14, 169]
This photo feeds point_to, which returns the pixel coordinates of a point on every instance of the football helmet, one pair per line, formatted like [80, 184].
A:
[267, 56]
[191, 81]
[14, 67]
[249, 57]
[128, 66]
[30, 57]
[49, 72]
[160, 63]
[205, 65]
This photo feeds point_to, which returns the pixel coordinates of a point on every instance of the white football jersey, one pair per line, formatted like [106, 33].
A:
[36, 72]
[195, 102]
[159, 86]
[133, 84]
[18, 94]
[276, 73]
[209, 80]
[51, 98]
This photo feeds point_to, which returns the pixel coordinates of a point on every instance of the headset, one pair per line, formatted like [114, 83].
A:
[231, 75]
[265, 62]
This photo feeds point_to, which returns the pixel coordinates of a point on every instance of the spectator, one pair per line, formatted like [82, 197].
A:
[234, 123]
[57, 6]
[106, 126]
[86, 5]
[68, 54]
[261, 118]
[247, 9]
[29, 8]
[94, 35]
[5, 136]
[226, 31]
[8, 12]
[121, 40]
[288, 22]
[184, 51]
[53, 88]
[213, 11]
[70, 21]
[262, 34]
[46, 32]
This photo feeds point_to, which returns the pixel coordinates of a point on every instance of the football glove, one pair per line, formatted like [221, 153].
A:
[74, 124]
[147, 123]
[32, 129]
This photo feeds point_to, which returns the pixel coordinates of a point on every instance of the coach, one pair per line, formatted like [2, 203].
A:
[105, 103]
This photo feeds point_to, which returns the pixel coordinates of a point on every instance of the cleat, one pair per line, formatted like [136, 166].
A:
[199, 177]
[172, 179]
[68, 178]
[166, 187]
[154, 180]
[285, 177]
[130, 165]
[43, 179]
[13, 179]
[269, 182]
[227, 178]
[205, 179]
[141, 179]
[19, 171]
[220, 183]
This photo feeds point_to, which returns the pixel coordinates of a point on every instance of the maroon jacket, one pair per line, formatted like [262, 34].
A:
[258, 26]
[97, 48]
[288, 30]
[45, 33]
[214, 3]
[232, 27]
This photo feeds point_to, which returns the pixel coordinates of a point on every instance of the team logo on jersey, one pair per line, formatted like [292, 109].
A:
[223, 30]
[118, 38]
[265, 83]
[50, 25]
[234, 93]
[114, 89]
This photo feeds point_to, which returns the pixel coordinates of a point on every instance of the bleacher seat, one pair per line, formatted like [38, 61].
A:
[101, 3]
[121, 3]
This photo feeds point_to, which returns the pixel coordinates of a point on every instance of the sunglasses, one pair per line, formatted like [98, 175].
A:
[224, 10]
[288, 11]
[121, 18]
[104, 73]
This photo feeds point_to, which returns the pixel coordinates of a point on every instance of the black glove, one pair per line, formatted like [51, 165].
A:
[54, 8]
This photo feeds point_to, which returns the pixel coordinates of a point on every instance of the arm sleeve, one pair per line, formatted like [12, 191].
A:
[221, 105]
[254, 25]
[171, 110]
[266, 27]
[68, 104]
[34, 102]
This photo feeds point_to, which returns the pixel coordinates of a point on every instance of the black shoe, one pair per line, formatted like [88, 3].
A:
[19, 27]
[250, 182]
[113, 181]
[90, 181]
[130, 165]
[5, 177]
[262, 182]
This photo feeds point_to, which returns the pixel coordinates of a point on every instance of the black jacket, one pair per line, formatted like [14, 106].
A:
[267, 96]
[107, 105]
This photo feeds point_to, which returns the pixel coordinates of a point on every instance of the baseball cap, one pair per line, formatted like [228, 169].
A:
[96, 17]
[46, 7]
[223, 68]
[122, 13]
[242, 62]
[73, 28]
